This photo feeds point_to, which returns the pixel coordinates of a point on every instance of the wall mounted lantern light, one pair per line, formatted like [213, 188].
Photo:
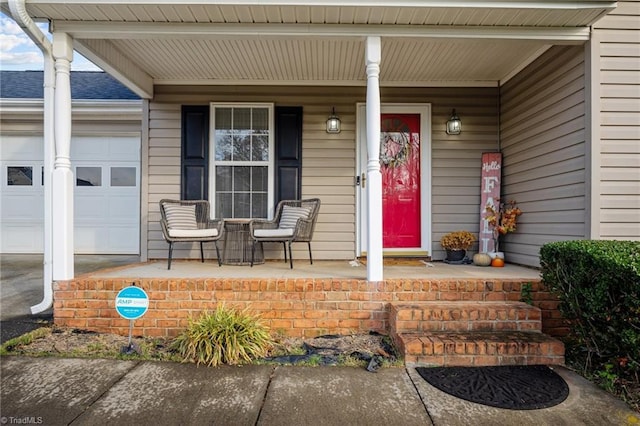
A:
[333, 122]
[454, 125]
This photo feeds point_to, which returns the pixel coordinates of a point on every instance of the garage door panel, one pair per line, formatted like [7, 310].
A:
[26, 207]
[123, 239]
[84, 148]
[21, 148]
[124, 149]
[106, 216]
[91, 208]
[111, 149]
[120, 208]
[21, 238]
[89, 237]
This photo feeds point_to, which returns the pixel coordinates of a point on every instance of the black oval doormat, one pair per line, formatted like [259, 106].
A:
[516, 387]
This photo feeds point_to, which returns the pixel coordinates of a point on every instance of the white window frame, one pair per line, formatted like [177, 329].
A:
[36, 179]
[212, 153]
[89, 165]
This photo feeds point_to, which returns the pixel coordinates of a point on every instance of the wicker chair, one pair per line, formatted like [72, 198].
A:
[294, 222]
[188, 221]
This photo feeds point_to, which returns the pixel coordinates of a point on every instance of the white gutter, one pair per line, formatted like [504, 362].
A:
[505, 4]
[22, 18]
[205, 31]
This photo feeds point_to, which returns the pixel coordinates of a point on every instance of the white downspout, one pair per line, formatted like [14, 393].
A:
[22, 18]
[49, 155]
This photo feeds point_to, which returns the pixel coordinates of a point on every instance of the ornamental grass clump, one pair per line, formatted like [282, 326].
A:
[224, 336]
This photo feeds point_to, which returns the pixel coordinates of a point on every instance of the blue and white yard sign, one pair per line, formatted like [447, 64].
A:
[132, 303]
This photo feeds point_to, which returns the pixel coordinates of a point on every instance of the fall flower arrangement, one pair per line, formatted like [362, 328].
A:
[502, 218]
[458, 240]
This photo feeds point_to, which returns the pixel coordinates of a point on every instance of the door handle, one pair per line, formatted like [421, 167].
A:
[363, 179]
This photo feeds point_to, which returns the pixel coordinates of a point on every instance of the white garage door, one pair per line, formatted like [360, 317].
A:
[106, 195]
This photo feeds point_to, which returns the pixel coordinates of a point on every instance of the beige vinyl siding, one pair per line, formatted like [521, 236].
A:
[543, 143]
[329, 161]
[618, 68]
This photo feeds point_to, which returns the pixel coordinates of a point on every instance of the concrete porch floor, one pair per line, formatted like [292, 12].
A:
[339, 269]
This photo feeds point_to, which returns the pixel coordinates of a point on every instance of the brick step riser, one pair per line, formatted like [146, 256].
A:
[435, 326]
[483, 361]
[458, 317]
[521, 349]
[427, 345]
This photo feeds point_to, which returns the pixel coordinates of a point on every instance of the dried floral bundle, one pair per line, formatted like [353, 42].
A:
[502, 218]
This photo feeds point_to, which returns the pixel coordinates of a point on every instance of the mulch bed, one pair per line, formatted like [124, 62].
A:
[371, 348]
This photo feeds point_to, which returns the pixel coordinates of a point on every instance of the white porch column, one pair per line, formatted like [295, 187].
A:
[374, 177]
[62, 210]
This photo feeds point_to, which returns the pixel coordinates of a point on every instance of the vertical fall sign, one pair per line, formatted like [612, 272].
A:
[489, 193]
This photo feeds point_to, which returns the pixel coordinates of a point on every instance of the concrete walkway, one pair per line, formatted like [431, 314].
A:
[59, 391]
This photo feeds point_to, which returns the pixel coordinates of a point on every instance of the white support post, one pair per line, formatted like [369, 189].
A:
[62, 174]
[375, 264]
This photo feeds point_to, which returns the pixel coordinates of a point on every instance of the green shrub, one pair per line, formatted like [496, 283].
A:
[526, 293]
[224, 336]
[598, 285]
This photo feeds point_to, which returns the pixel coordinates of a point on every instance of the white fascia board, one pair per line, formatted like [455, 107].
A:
[327, 83]
[21, 109]
[129, 110]
[150, 30]
[506, 4]
[85, 109]
[10, 104]
[104, 55]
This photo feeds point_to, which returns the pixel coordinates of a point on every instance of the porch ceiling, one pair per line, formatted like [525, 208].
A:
[293, 61]
[424, 43]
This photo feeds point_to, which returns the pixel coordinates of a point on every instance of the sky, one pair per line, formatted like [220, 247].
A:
[19, 53]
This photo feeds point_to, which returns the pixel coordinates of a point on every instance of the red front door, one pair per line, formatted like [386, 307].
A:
[400, 166]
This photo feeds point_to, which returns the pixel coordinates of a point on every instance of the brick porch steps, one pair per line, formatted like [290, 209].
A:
[472, 333]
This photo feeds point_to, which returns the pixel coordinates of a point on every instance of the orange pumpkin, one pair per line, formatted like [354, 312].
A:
[498, 262]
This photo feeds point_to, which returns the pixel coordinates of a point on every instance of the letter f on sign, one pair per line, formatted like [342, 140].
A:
[489, 183]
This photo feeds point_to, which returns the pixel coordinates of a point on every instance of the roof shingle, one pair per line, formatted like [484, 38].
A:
[84, 85]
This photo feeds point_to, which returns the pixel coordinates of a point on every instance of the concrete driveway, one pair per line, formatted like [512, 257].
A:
[21, 286]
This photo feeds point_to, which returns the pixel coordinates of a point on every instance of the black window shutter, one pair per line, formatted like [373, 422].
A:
[195, 152]
[288, 162]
